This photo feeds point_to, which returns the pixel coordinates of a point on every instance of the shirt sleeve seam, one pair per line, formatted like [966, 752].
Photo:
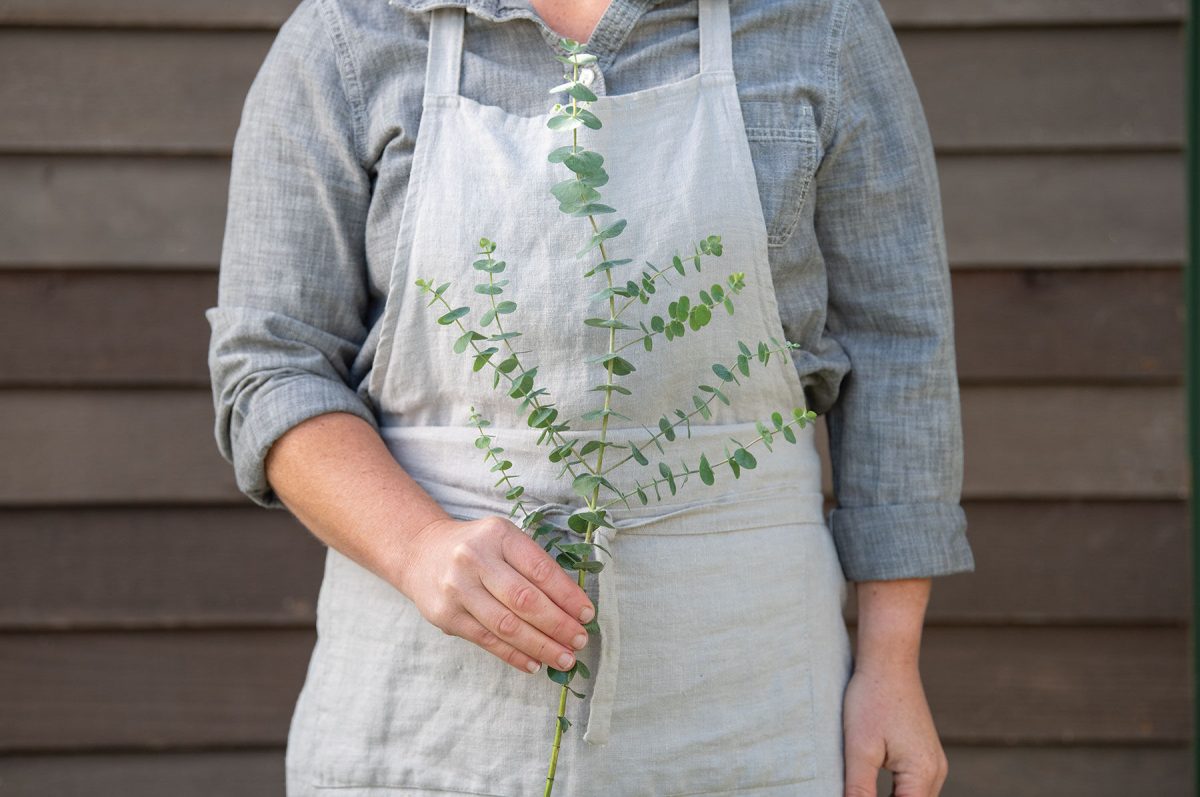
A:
[348, 75]
[833, 54]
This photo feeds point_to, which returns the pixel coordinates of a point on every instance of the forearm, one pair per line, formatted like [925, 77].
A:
[336, 475]
[891, 614]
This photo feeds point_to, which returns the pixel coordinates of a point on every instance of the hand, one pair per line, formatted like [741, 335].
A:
[488, 582]
[887, 723]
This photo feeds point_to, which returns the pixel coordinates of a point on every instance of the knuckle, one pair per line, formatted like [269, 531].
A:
[542, 570]
[444, 619]
[508, 624]
[524, 597]
[565, 627]
[464, 554]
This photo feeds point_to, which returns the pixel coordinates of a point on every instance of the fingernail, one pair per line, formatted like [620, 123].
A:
[579, 641]
[564, 661]
[533, 666]
[587, 614]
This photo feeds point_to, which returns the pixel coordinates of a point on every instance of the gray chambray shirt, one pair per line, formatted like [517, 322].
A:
[846, 173]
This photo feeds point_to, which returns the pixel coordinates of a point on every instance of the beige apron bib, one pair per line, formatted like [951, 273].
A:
[722, 655]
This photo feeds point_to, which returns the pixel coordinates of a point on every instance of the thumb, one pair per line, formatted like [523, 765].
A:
[861, 777]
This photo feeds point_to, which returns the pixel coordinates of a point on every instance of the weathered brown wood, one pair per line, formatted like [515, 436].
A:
[149, 690]
[1051, 88]
[267, 14]
[248, 773]
[1083, 209]
[116, 446]
[1061, 684]
[1092, 442]
[1074, 562]
[1065, 772]
[161, 690]
[91, 90]
[974, 772]
[81, 211]
[158, 567]
[82, 328]
[110, 447]
[953, 13]
[271, 13]
[103, 90]
[1060, 325]
[1049, 210]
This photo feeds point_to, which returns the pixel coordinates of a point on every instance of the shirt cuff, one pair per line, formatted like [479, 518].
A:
[901, 541]
[273, 411]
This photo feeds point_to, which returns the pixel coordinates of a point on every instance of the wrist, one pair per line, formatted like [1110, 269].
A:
[891, 614]
[405, 545]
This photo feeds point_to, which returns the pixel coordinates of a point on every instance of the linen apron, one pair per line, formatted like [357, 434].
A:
[722, 656]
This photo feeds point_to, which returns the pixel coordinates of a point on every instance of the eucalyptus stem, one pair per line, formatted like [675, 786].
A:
[578, 196]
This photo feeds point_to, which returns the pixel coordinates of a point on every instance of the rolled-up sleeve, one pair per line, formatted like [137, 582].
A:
[895, 431]
[293, 289]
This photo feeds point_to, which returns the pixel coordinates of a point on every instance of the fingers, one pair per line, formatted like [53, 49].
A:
[533, 563]
[518, 612]
[505, 624]
[471, 630]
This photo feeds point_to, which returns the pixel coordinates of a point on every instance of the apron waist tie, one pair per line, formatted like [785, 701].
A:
[600, 701]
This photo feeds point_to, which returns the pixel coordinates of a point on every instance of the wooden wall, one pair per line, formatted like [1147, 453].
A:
[155, 626]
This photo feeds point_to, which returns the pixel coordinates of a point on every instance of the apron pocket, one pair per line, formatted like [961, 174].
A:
[715, 686]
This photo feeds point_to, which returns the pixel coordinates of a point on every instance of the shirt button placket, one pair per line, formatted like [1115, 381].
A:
[593, 78]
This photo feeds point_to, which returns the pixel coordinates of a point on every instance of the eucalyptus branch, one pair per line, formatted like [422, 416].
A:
[709, 245]
[696, 316]
[578, 196]
[738, 459]
[482, 358]
[667, 428]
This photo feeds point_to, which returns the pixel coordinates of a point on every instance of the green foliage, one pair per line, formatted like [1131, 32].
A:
[583, 459]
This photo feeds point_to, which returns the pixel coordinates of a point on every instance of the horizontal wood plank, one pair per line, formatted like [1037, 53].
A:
[1090, 442]
[1049, 88]
[229, 773]
[116, 446]
[149, 690]
[901, 13]
[1063, 772]
[157, 567]
[126, 90]
[1074, 561]
[264, 14]
[81, 211]
[92, 328]
[161, 690]
[1041, 210]
[1069, 685]
[104, 328]
[120, 567]
[131, 91]
[1032, 12]
[974, 772]
[1068, 325]
[1055, 210]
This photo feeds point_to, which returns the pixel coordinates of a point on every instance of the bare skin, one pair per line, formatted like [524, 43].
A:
[484, 580]
[489, 583]
[575, 19]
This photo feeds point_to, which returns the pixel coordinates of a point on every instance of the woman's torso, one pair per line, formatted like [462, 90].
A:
[781, 57]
